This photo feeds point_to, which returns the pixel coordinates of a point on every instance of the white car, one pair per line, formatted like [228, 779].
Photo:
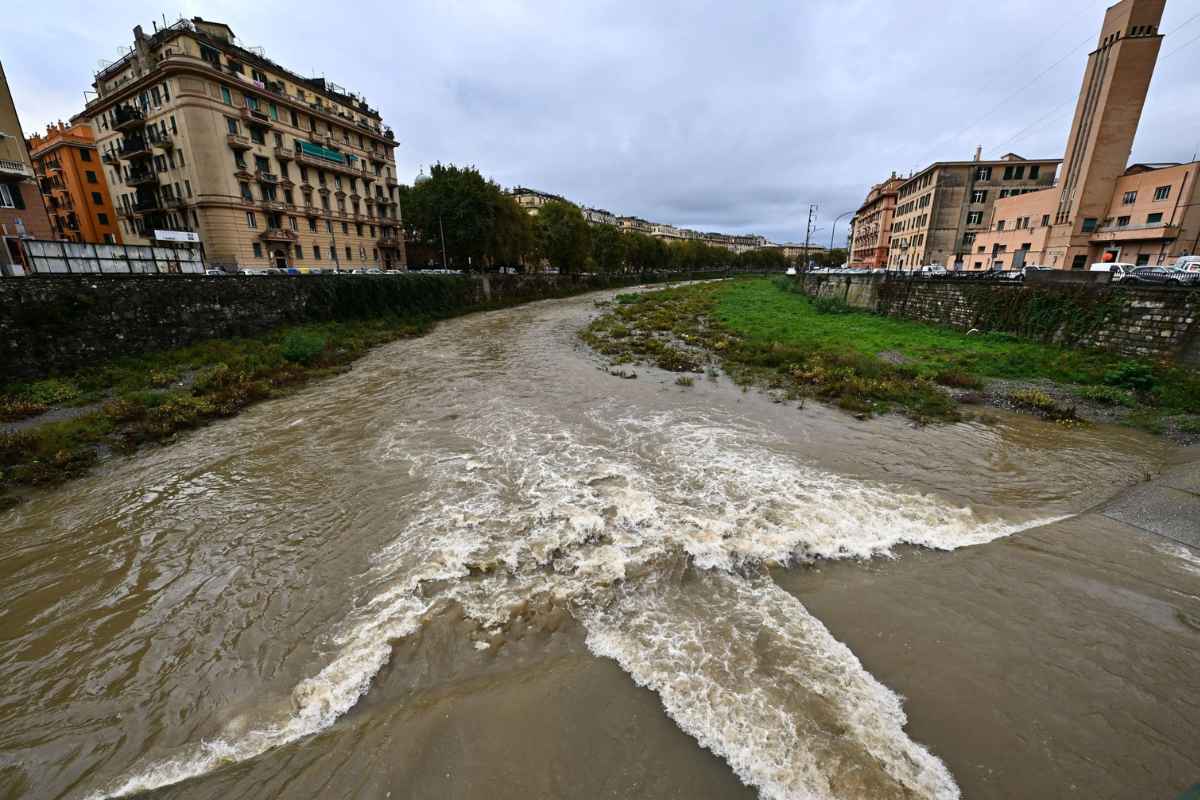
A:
[215, 272]
[1190, 264]
[931, 269]
[1120, 270]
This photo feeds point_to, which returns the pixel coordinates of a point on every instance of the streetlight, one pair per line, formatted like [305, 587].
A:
[833, 232]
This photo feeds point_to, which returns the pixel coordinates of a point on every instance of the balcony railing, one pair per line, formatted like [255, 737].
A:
[279, 235]
[15, 170]
[110, 157]
[127, 117]
[237, 141]
[141, 179]
[134, 147]
[252, 117]
[283, 153]
[263, 176]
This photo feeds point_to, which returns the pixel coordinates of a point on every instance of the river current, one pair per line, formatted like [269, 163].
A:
[484, 522]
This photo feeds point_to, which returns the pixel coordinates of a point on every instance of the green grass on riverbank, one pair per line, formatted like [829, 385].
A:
[764, 334]
[122, 405]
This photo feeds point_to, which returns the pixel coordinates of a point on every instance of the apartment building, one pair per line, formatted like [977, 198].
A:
[206, 139]
[871, 225]
[73, 184]
[942, 209]
[1102, 210]
[599, 216]
[532, 200]
[21, 211]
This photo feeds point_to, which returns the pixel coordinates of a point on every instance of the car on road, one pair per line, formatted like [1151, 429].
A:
[1120, 270]
[215, 272]
[931, 269]
[1163, 276]
[252, 271]
[1188, 264]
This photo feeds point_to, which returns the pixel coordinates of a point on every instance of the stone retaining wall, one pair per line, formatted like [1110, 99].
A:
[56, 324]
[1151, 322]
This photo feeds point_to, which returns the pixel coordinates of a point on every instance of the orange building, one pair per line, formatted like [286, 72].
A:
[74, 189]
[871, 228]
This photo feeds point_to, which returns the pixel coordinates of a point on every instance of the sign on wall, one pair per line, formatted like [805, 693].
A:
[177, 236]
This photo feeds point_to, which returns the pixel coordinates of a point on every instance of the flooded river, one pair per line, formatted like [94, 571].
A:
[478, 566]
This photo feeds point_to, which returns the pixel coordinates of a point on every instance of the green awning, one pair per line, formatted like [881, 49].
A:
[308, 148]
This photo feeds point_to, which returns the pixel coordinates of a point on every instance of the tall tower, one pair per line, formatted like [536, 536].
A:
[1110, 104]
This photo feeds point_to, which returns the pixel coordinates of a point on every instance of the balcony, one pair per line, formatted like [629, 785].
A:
[278, 235]
[111, 158]
[389, 242]
[243, 173]
[12, 171]
[173, 203]
[284, 153]
[142, 179]
[127, 118]
[392, 182]
[237, 141]
[163, 141]
[274, 205]
[252, 117]
[266, 177]
[134, 147]
[1132, 233]
[146, 205]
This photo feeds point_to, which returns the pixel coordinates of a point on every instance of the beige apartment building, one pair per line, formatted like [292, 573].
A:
[1101, 210]
[203, 137]
[871, 225]
[942, 209]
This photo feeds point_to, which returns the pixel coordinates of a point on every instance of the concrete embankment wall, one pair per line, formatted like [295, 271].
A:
[59, 324]
[1151, 322]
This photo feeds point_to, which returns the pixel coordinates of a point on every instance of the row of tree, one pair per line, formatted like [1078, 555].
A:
[458, 217]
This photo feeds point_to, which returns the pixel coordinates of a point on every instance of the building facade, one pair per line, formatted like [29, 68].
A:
[74, 185]
[942, 209]
[21, 212]
[599, 216]
[200, 134]
[532, 200]
[871, 226]
[1102, 210]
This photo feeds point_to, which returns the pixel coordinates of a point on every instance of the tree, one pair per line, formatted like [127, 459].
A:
[563, 236]
[471, 212]
[512, 232]
[608, 249]
[644, 253]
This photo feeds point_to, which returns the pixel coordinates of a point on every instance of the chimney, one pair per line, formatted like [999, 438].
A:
[978, 152]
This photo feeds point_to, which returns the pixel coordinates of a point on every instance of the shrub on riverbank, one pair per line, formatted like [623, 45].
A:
[152, 398]
[763, 333]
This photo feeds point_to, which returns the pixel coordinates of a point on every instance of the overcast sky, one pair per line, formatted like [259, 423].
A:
[717, 116]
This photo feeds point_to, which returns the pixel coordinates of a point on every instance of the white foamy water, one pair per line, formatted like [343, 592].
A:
[522, 507]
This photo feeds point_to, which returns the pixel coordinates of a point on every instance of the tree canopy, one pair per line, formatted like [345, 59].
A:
[563, 236]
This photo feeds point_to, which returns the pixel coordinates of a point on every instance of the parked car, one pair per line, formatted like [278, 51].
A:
[1120, 270]
[215, 272]
[931, 269]
[1168, 276]
[252, 271]
[290, 271]
[1188, 264]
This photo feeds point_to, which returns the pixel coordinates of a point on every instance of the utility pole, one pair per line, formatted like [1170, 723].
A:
[442, 234]
[812, 209]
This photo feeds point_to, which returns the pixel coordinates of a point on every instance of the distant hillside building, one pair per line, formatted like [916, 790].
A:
[531, 199]
[21, 212]
[73, 184]
[202, 135]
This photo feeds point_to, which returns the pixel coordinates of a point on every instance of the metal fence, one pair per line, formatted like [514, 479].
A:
[68, 258]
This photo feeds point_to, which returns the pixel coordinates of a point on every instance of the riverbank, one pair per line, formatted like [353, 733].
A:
[795, 347]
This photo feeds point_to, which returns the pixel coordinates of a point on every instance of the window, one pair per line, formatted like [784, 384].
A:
[293, 223]
[1153, 219]
[226, 96]
[1079, 262]
[299, 251]
[256, 135]
[91, 177]
[98, 200]
[179, 157]
[86, 155]
[251, 220]
[245, 187]
[295, 119]
[348, 256]
[346, 228]
[1089, 225]
[968, 238]
[1019, 172]
[211, 55]
[975, 218]
[257, 249]
[1000, 225]
[188, 186]
[317, 252]
[979, 196]
[1004, 192]
[273, 111]
[328, 226]
[1034, 171]
[1129, 198]
[1008, 173]
[1045, 220]
[1122, 222]
[1143, 259]
[312, 224]
[102, 218]
[232, 125]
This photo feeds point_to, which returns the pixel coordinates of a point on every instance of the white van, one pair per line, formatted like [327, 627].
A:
[1120, 270]
[1190, 264]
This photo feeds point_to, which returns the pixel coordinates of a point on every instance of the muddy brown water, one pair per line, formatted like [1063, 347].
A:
[478, 566]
